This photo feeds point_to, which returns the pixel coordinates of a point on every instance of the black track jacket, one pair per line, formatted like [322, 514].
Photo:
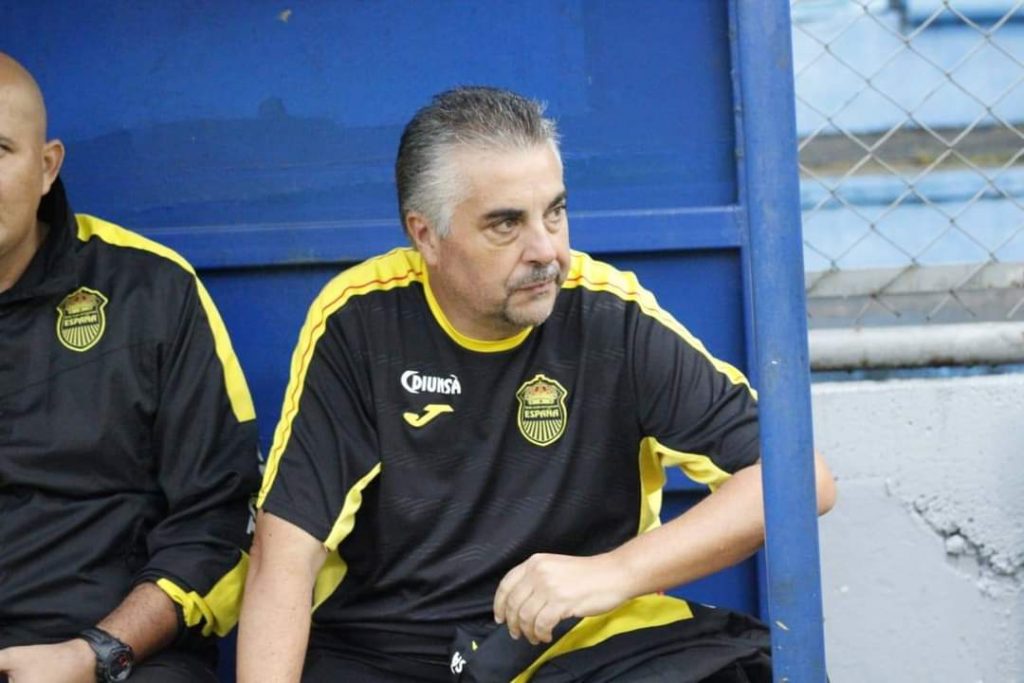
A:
[127, 436]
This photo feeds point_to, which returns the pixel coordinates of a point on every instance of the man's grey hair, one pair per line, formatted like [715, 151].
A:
[489, 119]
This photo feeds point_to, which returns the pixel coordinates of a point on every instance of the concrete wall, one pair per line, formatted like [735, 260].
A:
[923, 557]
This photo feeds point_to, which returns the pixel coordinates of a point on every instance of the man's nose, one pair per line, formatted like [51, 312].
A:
[540, 244]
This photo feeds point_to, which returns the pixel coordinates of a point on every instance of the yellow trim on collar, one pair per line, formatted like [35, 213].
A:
[481, 345]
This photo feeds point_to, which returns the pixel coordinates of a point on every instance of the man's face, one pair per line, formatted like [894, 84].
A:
[502, 264]
[26, 169]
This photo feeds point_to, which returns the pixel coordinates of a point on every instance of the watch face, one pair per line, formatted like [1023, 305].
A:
[120, 666]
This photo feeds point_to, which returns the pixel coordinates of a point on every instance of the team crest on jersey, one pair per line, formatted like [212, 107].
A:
[81, 319]
[542, 412]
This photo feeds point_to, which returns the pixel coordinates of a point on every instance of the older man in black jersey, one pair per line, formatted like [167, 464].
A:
[127, 437]
[466, 478]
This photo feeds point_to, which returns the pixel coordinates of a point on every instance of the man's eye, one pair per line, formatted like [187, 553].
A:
[506, 226]
[557, 212]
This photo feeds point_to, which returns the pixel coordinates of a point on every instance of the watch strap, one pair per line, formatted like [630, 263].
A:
[114, 658]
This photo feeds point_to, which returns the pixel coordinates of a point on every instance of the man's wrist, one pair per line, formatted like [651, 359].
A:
[83, 653]
[628, 580]
[113, 659]
[83, 650]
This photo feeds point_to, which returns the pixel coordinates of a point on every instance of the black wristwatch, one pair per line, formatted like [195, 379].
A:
[114, 659]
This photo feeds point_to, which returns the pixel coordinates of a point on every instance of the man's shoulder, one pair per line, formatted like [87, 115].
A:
[587, 274]
[394, 270]
[130, 251]
[608, 297]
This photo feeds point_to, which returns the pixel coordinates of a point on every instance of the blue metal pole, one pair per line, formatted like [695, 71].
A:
[771, 194]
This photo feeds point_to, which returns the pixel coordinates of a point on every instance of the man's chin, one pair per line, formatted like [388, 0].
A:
[530, 313]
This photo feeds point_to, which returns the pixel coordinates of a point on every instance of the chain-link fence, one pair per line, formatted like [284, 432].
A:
[910, 115]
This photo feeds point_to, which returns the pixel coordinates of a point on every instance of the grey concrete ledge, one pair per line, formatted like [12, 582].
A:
[917, 346]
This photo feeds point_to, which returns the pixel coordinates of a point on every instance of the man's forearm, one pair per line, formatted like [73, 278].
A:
[721, 530]
[273, 631]
[146, 619]
[718, 532]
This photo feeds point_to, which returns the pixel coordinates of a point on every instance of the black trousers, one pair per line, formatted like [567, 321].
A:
[169, 666]
[651, 639]
[329, 667]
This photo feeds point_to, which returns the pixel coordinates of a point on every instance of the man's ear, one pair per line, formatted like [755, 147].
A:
[53, 157]
[423, 237]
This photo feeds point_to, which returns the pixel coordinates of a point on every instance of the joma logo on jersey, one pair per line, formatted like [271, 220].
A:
[414, 383]
[81, 319]
[542, 412]
[429, 413]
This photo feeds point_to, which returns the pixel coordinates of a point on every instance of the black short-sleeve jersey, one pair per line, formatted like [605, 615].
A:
[430, 464]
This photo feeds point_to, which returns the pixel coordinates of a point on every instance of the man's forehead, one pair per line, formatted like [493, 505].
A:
[21, 102]
[17, 117]
[533, 174]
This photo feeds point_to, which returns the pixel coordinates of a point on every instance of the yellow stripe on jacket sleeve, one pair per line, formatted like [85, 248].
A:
[218, 609]
[647, 611]
[397, 268]
[234, 380]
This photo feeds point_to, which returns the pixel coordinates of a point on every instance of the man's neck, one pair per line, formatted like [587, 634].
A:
[14, 262]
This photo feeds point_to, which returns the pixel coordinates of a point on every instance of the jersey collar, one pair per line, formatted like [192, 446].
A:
[480, 345]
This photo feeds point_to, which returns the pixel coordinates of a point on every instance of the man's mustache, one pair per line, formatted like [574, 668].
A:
[538, 275]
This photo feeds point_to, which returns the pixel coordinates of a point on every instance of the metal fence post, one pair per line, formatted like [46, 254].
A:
[772, 201]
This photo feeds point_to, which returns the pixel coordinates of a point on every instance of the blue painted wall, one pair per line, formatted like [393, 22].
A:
[227, 113]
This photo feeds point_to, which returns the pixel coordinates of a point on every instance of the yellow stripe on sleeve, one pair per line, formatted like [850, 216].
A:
[652, 482]
[217, 610]
[234, 380]
[347, 517]
[700, 468]
[654, 457]
[333, 572]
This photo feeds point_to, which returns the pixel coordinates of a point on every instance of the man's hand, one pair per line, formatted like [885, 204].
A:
[72, 661]
[536, 595]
